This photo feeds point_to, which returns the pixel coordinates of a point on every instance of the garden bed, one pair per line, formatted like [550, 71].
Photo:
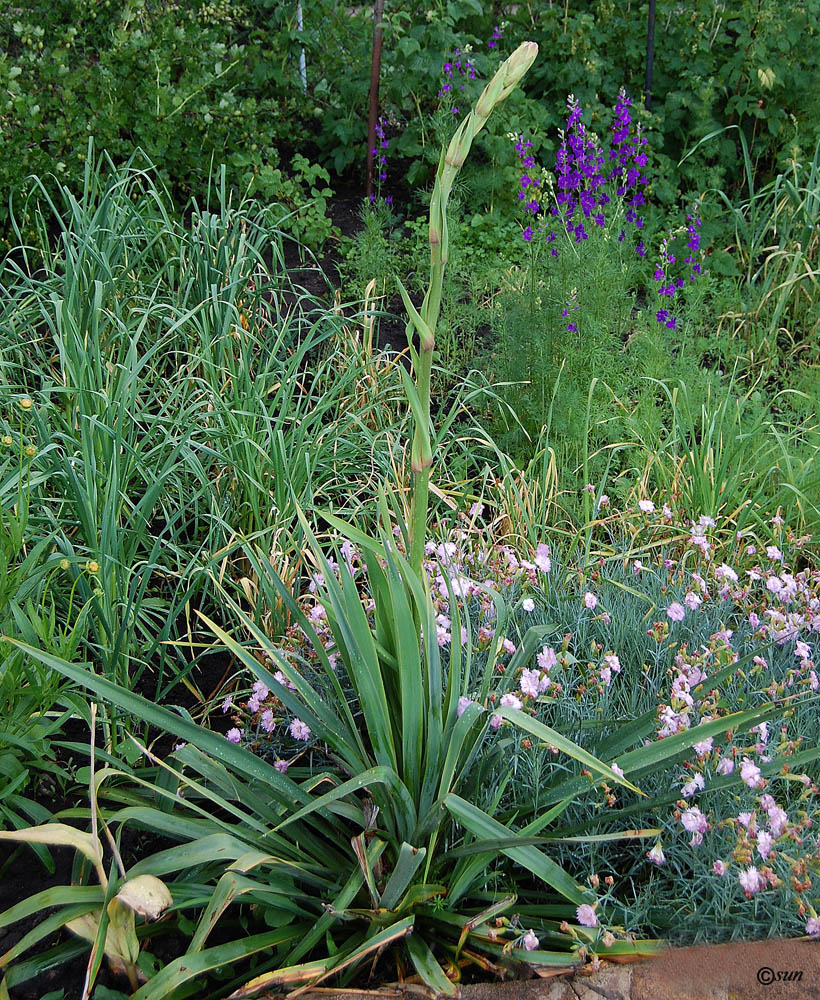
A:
[490, 656]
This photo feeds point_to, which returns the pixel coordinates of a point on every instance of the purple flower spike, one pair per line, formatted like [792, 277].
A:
[380, 153]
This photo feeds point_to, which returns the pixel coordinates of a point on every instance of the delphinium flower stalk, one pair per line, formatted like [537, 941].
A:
[425, 320]
[628, 158]
[668, 285]
[380, 155]
[592, 189]
[580, 176]
[529, 185]
[528, 193]
[459, 67]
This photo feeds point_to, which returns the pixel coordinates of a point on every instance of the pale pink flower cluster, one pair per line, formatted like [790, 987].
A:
[694, 785]
[299, 730]
[695, 823]
[463, 703]
[693, 600]
[751, 881]
[656, 855]
[612, 665]
[750, 773]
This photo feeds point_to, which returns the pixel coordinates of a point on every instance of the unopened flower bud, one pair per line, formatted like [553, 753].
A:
[25, 403]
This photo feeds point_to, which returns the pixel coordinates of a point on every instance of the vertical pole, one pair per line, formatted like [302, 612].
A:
[302, 65]
[650, 55]
[375, 68]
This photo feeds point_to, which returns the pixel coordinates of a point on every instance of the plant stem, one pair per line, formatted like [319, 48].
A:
[425, 321]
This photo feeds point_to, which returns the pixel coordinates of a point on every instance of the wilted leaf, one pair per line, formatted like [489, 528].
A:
[146, 895]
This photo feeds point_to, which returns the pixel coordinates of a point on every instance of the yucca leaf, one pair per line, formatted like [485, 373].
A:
[411, 692]
[230, 886]
[341, 902]
[361, 659]
[214, 847]
[484, 826]
[548, 959]
[405, 868]
[243, 761]
[187, 967]
[316, 972]
[373, 776]
[660, 751]
[428, 968]
[542, 732]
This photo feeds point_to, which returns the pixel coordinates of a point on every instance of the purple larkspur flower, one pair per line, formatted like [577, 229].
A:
[498, 34]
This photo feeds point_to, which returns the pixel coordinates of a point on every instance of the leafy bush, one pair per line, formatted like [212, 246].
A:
[144, 75]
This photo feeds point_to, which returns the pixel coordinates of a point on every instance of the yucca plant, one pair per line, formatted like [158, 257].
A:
[379, 835]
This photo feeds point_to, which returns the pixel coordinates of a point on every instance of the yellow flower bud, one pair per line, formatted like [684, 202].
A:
[7, 440]
[92, 566]
[31, 451]
[25, 403]
[64, 564]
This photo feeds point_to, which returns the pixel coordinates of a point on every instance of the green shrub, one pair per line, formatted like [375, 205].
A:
[194, 87]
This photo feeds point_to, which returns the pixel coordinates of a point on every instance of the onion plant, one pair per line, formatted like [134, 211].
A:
[730, 458]
[776, 246]
[178, 399]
